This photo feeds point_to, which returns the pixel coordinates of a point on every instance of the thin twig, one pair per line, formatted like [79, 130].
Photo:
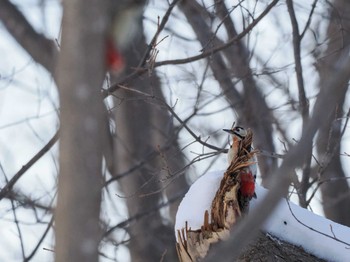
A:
[6, 189]
[317, 231]
[40, 240]
[327, 160]
[159, 30]
[138, 216]
[304, 104]
[18, 228]
[15, 219]
[140, 69]
[171, 110]
[308, 22]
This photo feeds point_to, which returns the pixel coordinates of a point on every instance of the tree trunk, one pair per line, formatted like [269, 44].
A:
[268, 248]
[145, 135]
[81, 69]
[335, 193]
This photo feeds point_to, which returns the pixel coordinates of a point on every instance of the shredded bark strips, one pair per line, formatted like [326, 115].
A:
[228, 206]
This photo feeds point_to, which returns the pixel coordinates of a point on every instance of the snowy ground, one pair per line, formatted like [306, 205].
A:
[289, 222]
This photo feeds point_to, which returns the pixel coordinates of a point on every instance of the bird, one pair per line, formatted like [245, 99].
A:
[241, 150]
[238, 133]
[125, 26]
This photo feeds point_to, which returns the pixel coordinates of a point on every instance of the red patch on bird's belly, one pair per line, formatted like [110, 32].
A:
[114, 59]
[247, 187]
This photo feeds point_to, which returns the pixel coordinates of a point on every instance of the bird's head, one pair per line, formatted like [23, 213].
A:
[237, 132]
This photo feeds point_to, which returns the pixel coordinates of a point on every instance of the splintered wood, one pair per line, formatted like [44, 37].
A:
[194, 245]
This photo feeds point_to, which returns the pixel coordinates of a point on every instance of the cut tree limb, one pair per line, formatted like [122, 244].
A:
[225, 212]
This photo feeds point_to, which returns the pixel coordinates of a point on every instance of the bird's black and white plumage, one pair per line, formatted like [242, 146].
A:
[238, 133]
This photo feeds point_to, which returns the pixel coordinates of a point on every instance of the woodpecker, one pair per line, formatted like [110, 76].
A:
[238, 133]
[126, 24]
[247, 175]
[114, 59]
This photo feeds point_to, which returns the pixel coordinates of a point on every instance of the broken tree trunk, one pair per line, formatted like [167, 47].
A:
[227, 208]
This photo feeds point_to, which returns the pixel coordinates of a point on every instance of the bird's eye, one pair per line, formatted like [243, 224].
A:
[240, 132]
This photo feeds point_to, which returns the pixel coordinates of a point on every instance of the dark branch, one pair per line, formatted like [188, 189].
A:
[159, 30]
[303, 102]
[6, 189]
[40, 241]
[41, 49]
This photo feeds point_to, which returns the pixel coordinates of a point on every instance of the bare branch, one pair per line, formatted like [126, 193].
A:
[6, 189]
[171, 110]
[317, 231]
[308, 22]
[303, 102]
[208, 53]
[18, 228]
[223, 46]
[138, 216]
[26, 202]
[41, 49]
[49, 225]
[140, 69]
[159, 30]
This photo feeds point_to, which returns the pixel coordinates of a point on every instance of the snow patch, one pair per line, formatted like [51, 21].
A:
[289, 222]
[197, 200]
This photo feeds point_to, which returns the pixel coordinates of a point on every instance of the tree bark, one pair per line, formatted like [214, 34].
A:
[268, 248]
[335, 190]
[81, 70]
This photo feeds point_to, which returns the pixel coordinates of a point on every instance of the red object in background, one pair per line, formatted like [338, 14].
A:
[247, 188]
[114, 59]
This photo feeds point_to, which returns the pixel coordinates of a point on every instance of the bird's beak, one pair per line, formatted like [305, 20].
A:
[230, 131]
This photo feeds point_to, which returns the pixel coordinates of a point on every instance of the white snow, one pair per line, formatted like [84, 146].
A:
[197, 200]
[289, 222]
